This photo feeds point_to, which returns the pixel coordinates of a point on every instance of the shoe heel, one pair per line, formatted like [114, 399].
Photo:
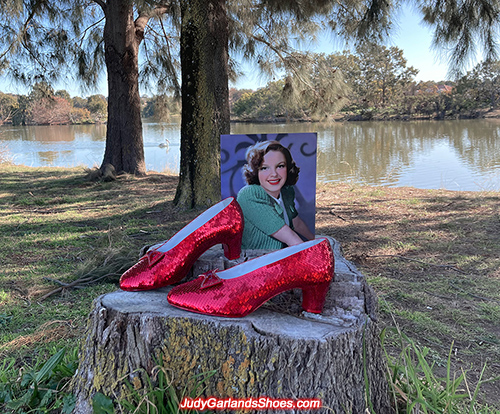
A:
[313, 297]
[232, 249]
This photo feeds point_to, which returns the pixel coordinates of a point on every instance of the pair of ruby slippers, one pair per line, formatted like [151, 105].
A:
[240, 290]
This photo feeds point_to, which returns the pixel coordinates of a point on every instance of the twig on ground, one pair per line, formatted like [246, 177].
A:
[55, 281]
[472, 294]
[336, 215]
[75, 284]
[451, 267]
[438, 296]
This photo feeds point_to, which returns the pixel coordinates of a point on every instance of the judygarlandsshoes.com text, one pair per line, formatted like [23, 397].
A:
[261, 403]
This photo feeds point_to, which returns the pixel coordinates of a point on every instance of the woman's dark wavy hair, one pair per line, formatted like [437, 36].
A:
[255, 157]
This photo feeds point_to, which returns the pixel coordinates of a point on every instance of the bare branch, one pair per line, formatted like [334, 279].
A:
[88, 28]
[144, 16]
[102, 4]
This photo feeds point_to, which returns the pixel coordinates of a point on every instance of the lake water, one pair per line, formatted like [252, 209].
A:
[454, 155]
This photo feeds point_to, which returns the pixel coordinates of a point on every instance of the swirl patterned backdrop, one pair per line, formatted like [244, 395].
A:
[303, 147]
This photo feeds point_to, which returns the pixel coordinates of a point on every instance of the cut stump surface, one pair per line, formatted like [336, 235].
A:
[276, 352]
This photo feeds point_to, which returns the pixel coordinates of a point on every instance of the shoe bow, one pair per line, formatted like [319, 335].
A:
[154, 256]
[210, 279]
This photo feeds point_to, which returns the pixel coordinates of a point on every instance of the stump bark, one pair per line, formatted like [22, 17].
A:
[277, 351]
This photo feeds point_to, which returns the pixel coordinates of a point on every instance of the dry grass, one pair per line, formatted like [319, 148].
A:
[48, 332]
[432, 257]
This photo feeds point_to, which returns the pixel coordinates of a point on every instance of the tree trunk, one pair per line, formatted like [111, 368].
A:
[205, 100]
[124, 144]
[275, 352]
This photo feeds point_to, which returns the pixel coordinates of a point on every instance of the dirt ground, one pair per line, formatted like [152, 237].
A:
[433, 258]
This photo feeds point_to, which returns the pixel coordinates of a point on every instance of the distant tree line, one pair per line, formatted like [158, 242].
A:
[377, 84]
[44, 106]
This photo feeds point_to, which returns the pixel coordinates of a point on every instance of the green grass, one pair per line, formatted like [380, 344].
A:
[41, 386]
[56, 227]
[490, 311]
[417, 387]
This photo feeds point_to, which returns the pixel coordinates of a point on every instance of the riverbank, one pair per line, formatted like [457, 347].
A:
[431, 256]
[377, 115]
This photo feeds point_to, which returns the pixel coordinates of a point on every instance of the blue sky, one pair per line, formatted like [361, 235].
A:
[410, 35]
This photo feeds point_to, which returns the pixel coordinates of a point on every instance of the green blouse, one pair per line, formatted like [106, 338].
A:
[264, 216]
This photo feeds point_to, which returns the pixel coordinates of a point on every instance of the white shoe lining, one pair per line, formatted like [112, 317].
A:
[254, 264]
[199, 221]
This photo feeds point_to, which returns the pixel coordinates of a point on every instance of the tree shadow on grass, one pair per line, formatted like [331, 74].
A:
[53, 220]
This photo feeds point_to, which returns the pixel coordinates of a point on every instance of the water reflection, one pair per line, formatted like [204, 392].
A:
[48, 157]
[458, 155]
[54, 158]
[53, 133]
[374, 152]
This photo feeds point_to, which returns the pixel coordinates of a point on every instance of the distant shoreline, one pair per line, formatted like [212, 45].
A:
[368, 116]
[373, 116]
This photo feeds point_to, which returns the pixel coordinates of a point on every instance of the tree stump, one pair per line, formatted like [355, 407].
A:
[277, 351]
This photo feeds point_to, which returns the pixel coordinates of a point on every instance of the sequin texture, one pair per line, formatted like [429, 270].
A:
[159, 268]
[248, 285]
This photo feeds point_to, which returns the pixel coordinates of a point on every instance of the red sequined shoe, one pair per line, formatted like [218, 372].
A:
[169, 262]
[237, 291]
